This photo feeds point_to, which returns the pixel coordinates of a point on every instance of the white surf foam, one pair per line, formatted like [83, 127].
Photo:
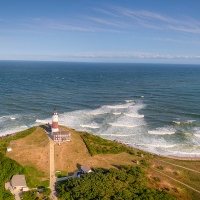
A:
[42, 121]
[176, 122]
[197, 135]
[117, 135]
[99, 111]
[162, 131]
[89, 126]
[122, 125]
[24, 127]
[184, 122]
[128, 101]
[157, 145]
[12, 130]
[117, 106]
[134, 115]
[117, 113]
[190, 121]
[12, 117]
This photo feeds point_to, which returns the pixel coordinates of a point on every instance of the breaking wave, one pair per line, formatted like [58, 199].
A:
[125, 123]
[134, 115]
[89, 126]
[163, 131]
[122, 125]
[42, 121]
[116, 135]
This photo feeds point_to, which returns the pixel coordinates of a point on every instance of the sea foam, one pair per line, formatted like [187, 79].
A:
[163, 131]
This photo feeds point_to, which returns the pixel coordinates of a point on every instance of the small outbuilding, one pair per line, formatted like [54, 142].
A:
[9, 149]
[85, 169]
[18, 182]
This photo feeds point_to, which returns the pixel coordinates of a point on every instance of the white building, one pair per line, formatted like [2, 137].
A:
[18, 182]
[85, 169]
[57, 133]
[9, 149]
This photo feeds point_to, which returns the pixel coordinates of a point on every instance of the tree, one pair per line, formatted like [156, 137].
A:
[46, 191]
[127, 183]
[30, 195]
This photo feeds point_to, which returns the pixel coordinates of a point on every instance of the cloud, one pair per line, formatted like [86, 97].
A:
[130, 55]
[106, 22]
[157, 21]
[103, 11]
[60, 26]
[111, 19]
[106, 57]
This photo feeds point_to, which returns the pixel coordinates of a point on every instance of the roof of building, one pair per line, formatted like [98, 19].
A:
[86, 168]
[18, 181]
[62, 133]
[9, 148]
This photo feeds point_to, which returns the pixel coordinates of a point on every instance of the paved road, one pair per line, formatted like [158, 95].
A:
[16, 192]
[52, 169]
[67, 177]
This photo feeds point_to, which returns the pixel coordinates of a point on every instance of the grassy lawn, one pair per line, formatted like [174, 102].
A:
[31, 150]
[5, 141]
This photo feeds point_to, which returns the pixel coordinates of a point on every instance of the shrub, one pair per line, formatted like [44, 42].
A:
[97, 145]
[126, 183]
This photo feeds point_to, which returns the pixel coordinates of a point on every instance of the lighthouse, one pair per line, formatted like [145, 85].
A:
[54, 127]
[58, 134]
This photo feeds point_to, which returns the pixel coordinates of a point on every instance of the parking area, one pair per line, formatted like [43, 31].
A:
[16, 192]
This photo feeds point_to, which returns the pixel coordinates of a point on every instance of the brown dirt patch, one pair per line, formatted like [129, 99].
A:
[32, 150]
[70, 155]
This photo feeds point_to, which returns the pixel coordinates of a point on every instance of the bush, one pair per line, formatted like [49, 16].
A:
[160, 167]
[127, 183]
[46, 191]
[30, 195]
[33, 177]
[97, 145]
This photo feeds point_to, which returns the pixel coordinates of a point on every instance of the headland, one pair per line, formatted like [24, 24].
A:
[177, 176]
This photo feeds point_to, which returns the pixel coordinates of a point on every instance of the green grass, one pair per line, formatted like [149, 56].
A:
[61, 174]
[128, 182]
[34, 177]
[97, 145]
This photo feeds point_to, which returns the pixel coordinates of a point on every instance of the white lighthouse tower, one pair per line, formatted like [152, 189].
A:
[54, 126]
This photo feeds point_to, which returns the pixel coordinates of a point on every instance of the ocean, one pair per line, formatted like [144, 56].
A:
[153, 107]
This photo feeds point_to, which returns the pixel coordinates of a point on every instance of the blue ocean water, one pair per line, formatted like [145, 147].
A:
[154, 107]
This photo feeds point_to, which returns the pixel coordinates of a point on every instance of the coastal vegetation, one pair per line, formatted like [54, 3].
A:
[35, 195]
[97, 145]
[5, 140]
[120, 170]
[128, 182]
[9, 167]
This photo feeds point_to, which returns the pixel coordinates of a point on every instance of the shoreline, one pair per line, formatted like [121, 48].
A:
[186, 158]
[183, 158]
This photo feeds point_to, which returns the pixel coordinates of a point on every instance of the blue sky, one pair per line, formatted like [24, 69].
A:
[156, 31]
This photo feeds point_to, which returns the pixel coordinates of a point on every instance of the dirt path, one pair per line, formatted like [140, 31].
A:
[178, 166]
[177, 180]
[52, 169]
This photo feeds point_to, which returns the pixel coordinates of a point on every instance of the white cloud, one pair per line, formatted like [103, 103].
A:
[157, 21]
[106, 57]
